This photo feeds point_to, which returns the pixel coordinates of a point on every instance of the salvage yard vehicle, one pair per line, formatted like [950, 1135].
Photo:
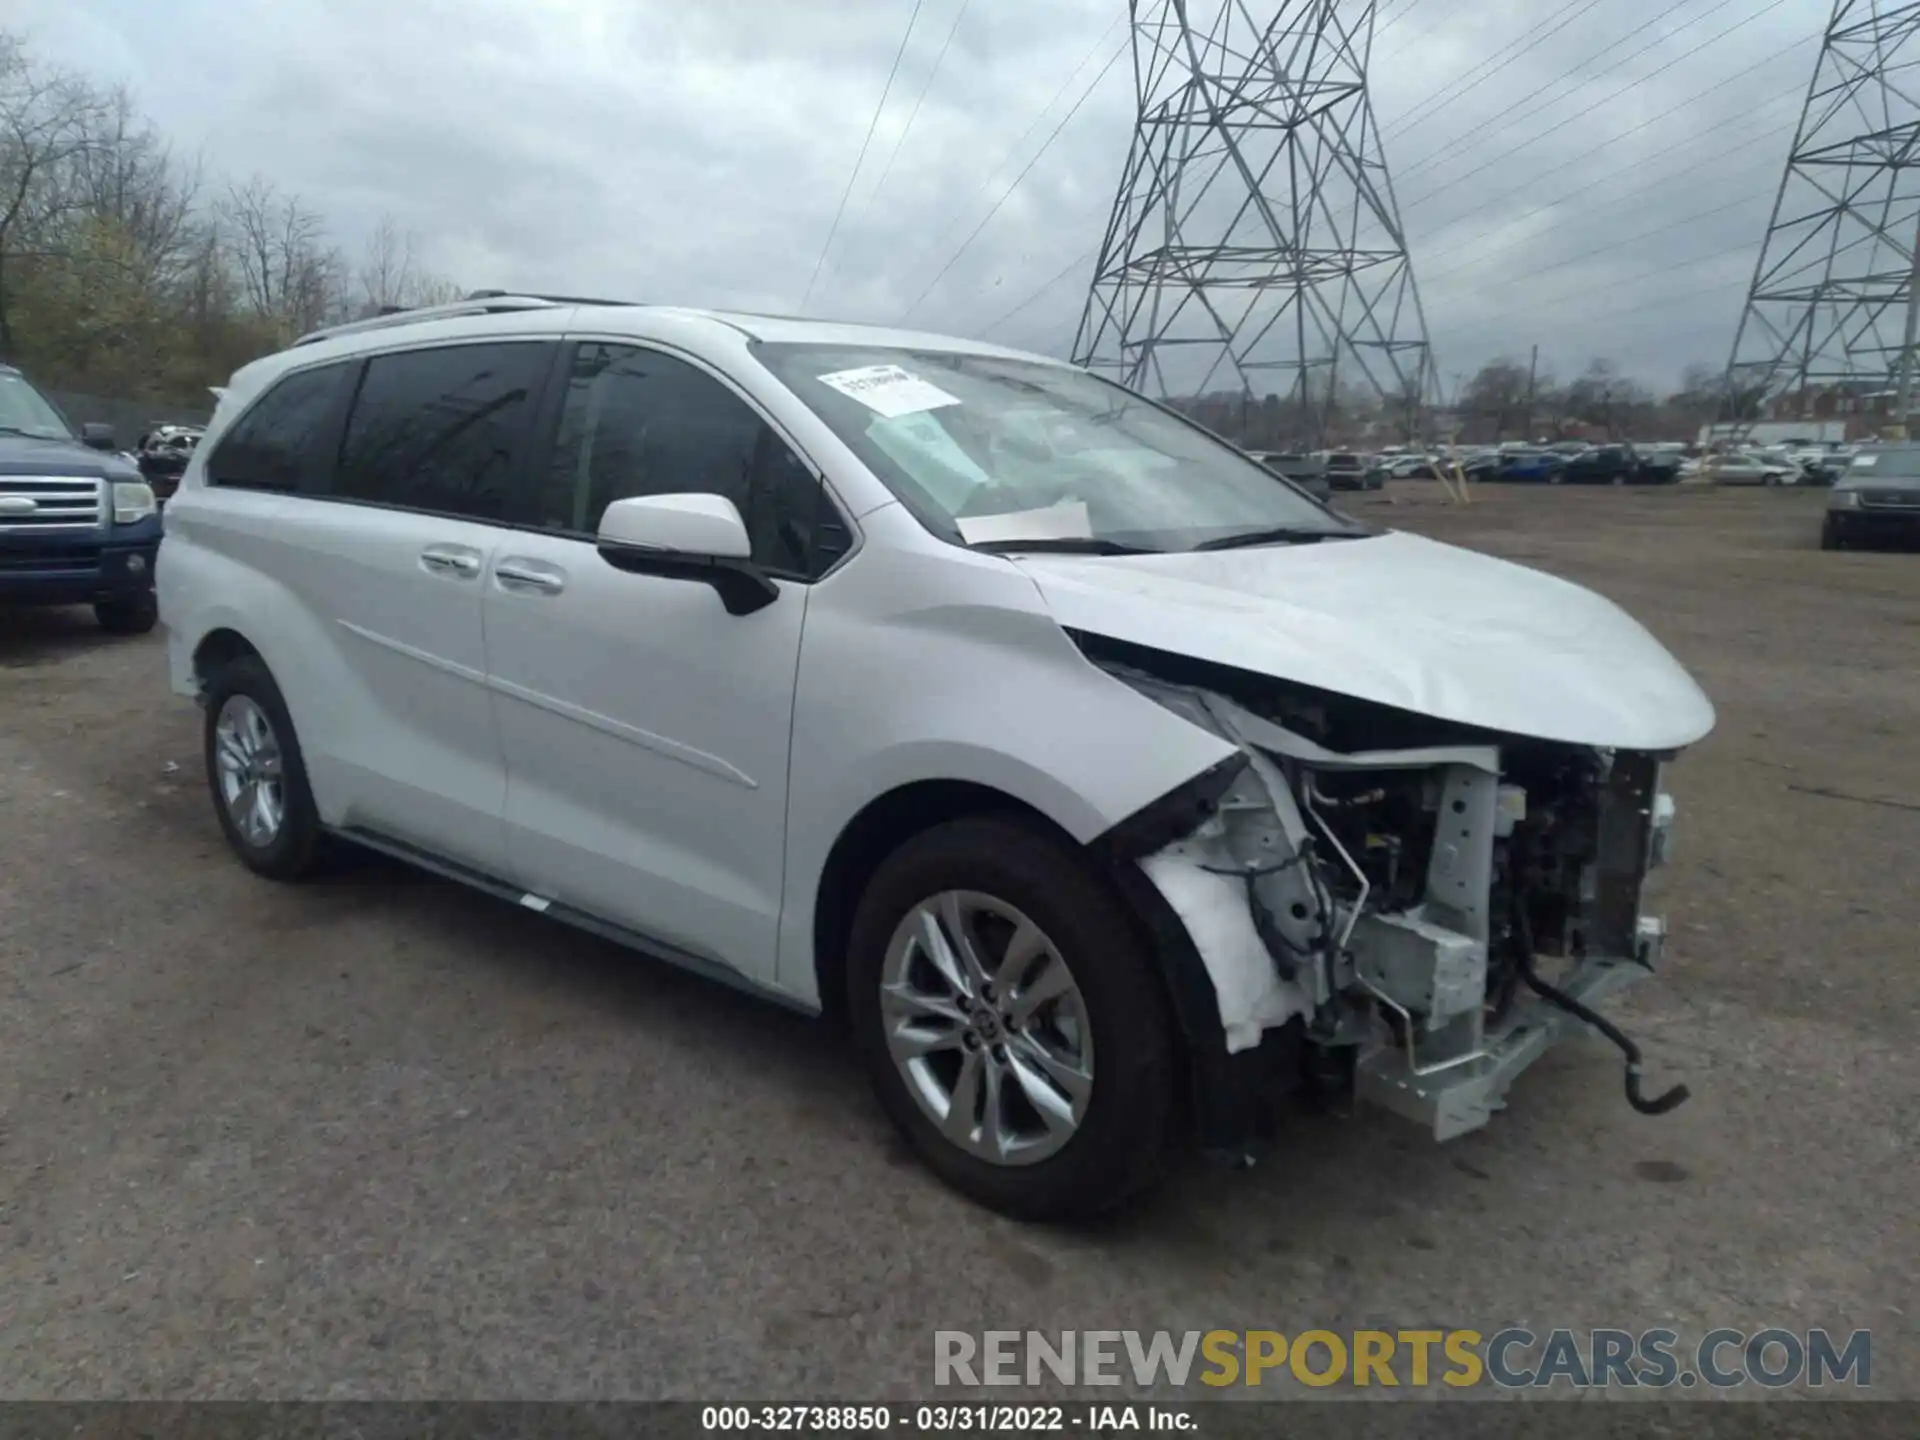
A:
[1745, 467]
[77, 521]
[1876, 501]
[1303, 470]
[1619, 465]
[1347, 471]
[1101, 785]
[1524, 466]
[163, 453]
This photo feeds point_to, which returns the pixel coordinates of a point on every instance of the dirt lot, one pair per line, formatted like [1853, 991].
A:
[382, 1137]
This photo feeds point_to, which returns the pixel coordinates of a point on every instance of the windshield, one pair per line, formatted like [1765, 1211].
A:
[1890, 463]
[991, 451]
[24, 411]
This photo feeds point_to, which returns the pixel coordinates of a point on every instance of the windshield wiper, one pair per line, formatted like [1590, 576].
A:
[1063, 545]
[1279, 535]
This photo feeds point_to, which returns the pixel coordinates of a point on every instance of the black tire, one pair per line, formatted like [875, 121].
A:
[1831, 538]
[1122, 1140]
[132, 615]
[296, 848]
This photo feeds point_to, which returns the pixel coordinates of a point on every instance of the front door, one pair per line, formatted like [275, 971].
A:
[645, 729]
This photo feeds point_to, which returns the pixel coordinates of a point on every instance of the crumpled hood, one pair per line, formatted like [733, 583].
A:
[1402, 621]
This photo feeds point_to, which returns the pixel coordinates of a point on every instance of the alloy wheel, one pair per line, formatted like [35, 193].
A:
[987, 1026]
[247, 760]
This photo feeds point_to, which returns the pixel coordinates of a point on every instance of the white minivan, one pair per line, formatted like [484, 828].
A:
[1104, 783]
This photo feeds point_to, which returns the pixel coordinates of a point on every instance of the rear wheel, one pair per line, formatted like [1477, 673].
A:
[256, 774]
[1011, 1020]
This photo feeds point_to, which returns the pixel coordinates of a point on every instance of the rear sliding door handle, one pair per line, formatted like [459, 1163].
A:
[456, 561]
[529, 576]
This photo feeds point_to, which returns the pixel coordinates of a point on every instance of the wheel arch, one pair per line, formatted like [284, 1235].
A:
[218, 648]
[880, 827]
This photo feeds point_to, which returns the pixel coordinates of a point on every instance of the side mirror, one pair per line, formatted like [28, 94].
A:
[96, 436]
[694, 536]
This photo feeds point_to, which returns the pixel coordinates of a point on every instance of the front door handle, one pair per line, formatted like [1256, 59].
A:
[457, 561]
[519, 574]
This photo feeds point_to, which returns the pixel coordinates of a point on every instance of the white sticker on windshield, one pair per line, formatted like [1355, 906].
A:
[1064, 521]
[888, 390]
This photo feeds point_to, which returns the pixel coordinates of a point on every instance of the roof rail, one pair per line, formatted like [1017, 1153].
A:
[550, 299]
[480, 303]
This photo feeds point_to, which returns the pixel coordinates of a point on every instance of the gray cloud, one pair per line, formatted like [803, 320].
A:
[696, 153]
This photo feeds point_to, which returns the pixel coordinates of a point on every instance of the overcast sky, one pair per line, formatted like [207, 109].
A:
[696, 152]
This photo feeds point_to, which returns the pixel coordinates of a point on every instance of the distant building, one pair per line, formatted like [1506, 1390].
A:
[1780, 432]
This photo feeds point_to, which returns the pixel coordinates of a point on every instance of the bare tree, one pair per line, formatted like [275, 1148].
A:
[276, 245]
[46, 119]
[128, 177]
[386, 274]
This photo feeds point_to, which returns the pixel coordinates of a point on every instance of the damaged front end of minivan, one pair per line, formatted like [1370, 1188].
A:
[1385, 905]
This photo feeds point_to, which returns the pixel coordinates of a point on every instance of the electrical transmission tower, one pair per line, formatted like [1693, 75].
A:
[1834, 300]
[1255, 244]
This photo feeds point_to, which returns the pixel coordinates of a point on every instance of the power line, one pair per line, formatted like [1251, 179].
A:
[1630, 240]
[1382, 24]
[914, 113]
[1581, 79]
[860, 159]
[1746, 198]
[1065, 120]
[1589, 184]
[1615, 95]
[1483, 132]
[1444, 15]
[1467, 80]
[953, 221]
[1612, 286]
[1615, 139]
[1072, 265]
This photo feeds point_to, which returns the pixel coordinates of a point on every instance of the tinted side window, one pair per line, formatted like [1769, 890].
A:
[439, 429]
[636, 422]
[275, 446]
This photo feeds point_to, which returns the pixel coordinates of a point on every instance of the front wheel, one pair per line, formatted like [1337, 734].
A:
[1011, 1020]
[129, 615]
[1831, 538]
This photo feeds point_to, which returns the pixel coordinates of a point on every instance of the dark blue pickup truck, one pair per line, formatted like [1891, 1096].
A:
[78, 524]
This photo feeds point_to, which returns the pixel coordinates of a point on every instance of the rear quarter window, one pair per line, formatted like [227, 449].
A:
[278, 444]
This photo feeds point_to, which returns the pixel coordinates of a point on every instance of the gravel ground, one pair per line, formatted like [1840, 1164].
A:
[381, 1137]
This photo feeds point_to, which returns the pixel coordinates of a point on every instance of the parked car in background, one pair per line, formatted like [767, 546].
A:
[1413, 467]
[1875, 500]
[696, 630]
[163, 453]
[1619, 465]
[1746, 467]
[78, 524]
[1530, 466]
[1303, 470]
[1819, 467]
[1347, 471]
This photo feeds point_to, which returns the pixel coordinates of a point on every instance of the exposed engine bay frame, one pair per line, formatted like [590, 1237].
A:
[1372, 916]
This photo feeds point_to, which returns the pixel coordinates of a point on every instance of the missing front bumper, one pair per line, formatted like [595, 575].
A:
[1462, 1097]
